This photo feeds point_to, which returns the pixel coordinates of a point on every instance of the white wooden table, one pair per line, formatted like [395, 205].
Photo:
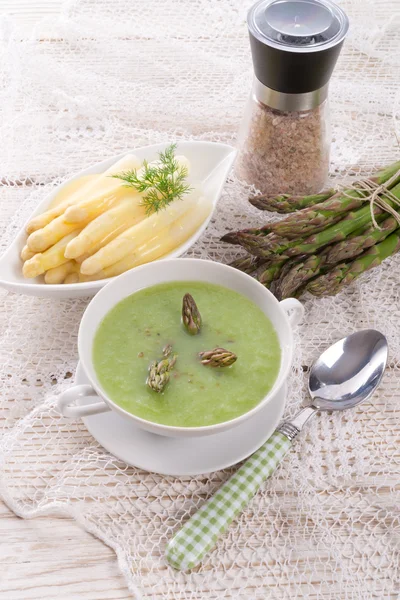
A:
[48, 557]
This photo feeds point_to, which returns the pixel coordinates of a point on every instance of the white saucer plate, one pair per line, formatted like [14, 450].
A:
[210, 164]
[182, 456]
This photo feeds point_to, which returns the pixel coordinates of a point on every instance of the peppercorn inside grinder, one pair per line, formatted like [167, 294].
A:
[285, 138]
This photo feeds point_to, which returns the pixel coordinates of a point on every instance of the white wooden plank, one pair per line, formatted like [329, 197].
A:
[48, 558]
[30, 10]
[27, 14]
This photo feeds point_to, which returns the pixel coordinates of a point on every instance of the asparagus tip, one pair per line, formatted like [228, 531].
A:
[191, 317]
[218, 357]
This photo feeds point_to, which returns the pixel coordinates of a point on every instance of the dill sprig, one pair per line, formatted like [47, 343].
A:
[162, 182]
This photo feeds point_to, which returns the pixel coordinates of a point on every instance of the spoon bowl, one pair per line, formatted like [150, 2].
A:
[349, 371]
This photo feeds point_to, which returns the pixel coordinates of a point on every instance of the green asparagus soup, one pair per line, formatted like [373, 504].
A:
[137, 330]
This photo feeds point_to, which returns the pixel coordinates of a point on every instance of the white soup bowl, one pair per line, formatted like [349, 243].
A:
[283, 315]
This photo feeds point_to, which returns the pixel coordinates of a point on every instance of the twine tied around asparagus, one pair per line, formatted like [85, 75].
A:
[376, 194]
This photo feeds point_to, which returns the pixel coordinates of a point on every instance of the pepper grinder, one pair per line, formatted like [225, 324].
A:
[285, 137]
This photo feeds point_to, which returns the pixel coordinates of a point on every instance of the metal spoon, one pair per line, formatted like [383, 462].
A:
[346, 374]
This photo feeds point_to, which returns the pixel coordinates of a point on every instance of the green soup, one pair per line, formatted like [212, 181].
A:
[136, 330]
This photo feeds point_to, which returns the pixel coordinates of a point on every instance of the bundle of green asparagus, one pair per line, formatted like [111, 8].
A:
[330, 240]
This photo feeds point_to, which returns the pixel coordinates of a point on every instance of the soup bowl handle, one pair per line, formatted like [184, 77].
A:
[294, 310]
[67, 407]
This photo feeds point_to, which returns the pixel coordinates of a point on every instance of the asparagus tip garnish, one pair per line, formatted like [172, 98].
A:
[191, 317]
[219, 357]
[160, 371]
[167, 350]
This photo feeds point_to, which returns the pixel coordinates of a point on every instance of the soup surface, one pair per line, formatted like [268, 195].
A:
[135, 331]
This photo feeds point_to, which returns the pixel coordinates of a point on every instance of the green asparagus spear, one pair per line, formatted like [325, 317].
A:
[219, 357]
[354, 245]
[167, 350]
[285, 203]
[234, 237]
[314, 219]
[319, 217]
[159, 372]
[385, 174]
[295, 276]
[361, 218]
[247, 264]
[342, 275]
[290, 282]
[191, 317]
[266, 246]
[262, 246]
[271, 273]
[260, 242]
[341, 230]
[328, 284]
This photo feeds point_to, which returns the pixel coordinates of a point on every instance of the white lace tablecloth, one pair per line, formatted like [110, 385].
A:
[114, 75]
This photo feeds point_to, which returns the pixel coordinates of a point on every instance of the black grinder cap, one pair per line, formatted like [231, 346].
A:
[295, 43]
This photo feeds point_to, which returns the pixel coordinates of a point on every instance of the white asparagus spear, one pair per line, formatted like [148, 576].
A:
[125, 214]
[72, 278]
[58, 274]
[52, 257]
[47, 217]
[111, 236]
[103, 185]
[71, 187]
[167, 240]
[57, 229]
[93, 206]
[130, 240]
[26, 254]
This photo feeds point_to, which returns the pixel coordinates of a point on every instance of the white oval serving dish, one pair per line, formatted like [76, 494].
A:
[210, 165]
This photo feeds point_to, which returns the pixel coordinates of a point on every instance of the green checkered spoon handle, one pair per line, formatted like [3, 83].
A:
[200, 533]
